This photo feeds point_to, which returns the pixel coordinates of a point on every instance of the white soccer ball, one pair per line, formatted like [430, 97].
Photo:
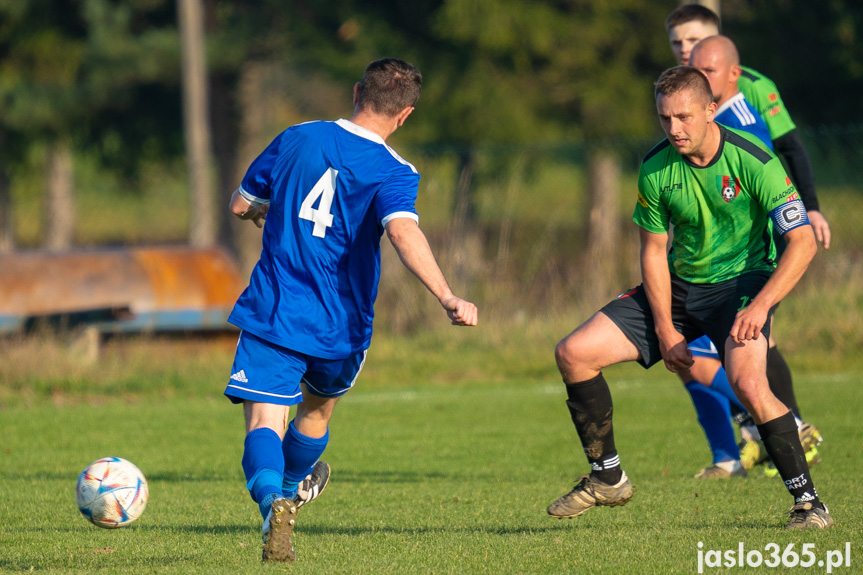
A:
[111, 492]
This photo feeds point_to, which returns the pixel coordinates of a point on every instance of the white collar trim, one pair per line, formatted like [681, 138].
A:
[360, 131]
[729, 102]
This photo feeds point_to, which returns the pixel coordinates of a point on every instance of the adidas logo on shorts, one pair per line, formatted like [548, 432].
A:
[240, 376]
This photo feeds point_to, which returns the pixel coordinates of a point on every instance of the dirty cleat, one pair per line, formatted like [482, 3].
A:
[752, 453]
[807, 516]
[279, 525]
[716, 472]
[314, 484]
[809, 436]
[812, 457]
[589, 492]
[278, 529]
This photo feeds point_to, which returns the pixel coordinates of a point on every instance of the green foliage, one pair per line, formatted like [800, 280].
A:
[542, 71]
[501, 72]
[820, 79]
[98, 73]
[104, 74]
[132, 83]
[128, 47]
[44, 54]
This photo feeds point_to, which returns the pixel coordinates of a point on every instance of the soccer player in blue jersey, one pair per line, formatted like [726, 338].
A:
[717, 58]
[327, 191]
[687, 26]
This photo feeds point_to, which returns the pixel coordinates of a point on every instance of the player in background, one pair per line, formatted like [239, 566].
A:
[328, 191]
[687, 26]
[691, 23]
[720, 278]
[716, 57]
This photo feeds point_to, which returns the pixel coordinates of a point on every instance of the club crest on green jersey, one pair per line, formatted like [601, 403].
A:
[729, 187]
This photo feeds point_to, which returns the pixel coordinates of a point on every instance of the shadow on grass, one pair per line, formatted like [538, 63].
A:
[169, 477]
[150, 528]
[175, 477]
[392, 530]
[235, 529]
[383, 476]
[742, 524]
[355, 530]
[38, 476]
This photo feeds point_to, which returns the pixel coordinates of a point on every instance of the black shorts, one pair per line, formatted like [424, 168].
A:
[696, 310]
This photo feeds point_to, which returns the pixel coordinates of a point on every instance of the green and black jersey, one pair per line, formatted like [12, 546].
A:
[761, 92]
[720, 212]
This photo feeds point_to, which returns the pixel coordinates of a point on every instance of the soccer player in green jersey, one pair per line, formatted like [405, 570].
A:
[687, 26]
[720, 190]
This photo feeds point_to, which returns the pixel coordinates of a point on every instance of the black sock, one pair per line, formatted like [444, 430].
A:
[783, 445]
[779, 377]
[590, 407]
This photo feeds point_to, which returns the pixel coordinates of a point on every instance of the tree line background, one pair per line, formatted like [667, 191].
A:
[132, 121]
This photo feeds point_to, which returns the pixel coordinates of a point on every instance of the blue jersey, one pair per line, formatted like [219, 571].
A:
[331, 188]
[738, 113]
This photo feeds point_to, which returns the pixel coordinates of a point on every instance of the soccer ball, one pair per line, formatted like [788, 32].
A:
[111, 492]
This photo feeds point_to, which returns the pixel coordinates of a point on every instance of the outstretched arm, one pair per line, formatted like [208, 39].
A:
[414, 251]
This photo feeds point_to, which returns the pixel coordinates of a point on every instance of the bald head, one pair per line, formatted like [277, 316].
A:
[720, 47]
[717, 58]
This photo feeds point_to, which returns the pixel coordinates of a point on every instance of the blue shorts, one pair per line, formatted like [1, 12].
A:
[269, 373]
[703, 347]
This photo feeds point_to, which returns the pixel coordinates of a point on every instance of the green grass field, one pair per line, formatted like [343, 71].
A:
[444, 459]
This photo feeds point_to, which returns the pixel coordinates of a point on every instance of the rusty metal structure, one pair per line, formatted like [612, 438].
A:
[119, 290]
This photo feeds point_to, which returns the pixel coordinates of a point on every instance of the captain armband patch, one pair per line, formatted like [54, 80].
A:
[789, 215]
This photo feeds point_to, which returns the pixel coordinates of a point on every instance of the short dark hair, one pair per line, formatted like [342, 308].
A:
[389, 85]
[690, 12]
[681, 78]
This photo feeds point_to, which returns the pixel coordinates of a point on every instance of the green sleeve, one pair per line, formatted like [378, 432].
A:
[763, 94]
[650, 213]
[773, 187]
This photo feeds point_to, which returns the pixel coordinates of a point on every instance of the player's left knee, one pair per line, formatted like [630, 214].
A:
[566, 353]
[751, 389]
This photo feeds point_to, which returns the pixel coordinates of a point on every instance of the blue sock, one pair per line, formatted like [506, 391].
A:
[721, 385]
[714, 415]
[300, 454]
[263, 463]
